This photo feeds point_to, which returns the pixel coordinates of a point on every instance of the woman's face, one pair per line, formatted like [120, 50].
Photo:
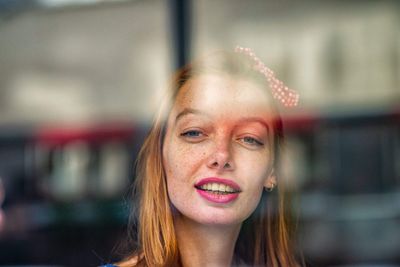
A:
[217, 149]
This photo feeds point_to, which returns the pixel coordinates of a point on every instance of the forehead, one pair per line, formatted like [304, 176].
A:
[225, 96]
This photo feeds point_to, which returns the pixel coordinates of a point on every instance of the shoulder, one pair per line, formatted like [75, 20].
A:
[129, 262]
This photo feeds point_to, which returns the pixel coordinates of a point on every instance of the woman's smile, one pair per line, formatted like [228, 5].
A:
[218, 190]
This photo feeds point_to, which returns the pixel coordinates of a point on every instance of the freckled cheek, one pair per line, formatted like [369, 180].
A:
[183, 162]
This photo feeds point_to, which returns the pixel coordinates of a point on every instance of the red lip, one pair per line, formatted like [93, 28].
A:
[219, 181]
[215, 197]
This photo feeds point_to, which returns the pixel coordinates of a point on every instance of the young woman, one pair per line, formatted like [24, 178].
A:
[207, 170]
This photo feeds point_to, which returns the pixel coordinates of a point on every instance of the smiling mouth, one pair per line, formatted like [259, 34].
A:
[217, 188]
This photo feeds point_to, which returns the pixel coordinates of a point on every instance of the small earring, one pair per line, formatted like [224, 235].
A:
[269, 189]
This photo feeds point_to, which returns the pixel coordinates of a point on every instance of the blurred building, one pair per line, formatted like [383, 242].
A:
[84, 63]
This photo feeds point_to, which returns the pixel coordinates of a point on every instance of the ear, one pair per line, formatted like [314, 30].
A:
[271, 180]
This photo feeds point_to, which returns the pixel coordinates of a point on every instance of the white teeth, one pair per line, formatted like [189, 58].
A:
[214, 187]
[229, 189]
[223, 188]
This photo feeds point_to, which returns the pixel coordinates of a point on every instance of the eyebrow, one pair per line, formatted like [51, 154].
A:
[188, 111]
[255, 119]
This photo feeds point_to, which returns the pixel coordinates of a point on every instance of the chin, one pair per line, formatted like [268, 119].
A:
[216, 217]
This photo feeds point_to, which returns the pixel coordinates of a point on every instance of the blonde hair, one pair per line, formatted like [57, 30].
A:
[265, 238]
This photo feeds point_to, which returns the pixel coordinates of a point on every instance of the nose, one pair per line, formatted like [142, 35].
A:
[221, 157]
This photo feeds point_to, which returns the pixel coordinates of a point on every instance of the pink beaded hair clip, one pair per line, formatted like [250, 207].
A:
[281, 92]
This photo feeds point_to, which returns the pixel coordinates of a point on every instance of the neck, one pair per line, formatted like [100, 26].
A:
[205, 245]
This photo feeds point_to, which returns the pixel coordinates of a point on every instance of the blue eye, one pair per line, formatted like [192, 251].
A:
[191, 133]
[252, 141]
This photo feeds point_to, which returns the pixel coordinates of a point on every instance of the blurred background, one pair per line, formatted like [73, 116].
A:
[80, 80]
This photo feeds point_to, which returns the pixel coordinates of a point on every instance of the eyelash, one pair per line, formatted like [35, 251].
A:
[253, 141]
[187, 133]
